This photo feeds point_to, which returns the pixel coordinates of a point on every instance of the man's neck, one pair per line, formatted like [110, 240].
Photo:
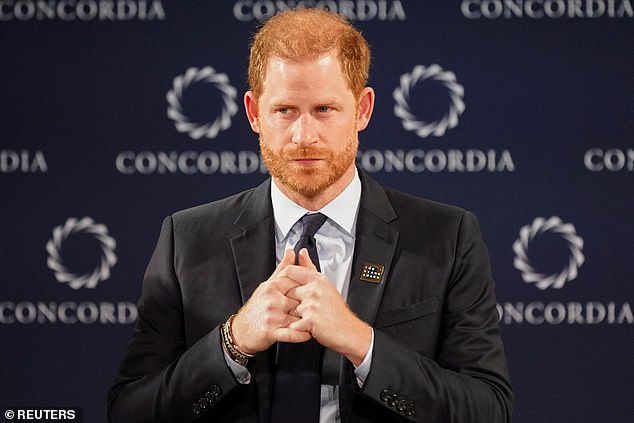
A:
[318, 201]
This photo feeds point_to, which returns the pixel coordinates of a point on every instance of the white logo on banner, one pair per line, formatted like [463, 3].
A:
[612, 159]
[361, 10]
[554, 311]
[421, 74]
[81, 10]
[55, 245]
[542, 9]
[190, 80]
[23, 161]
[528, 234]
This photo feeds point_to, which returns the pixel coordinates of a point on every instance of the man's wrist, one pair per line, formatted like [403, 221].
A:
[361, 345]
[362, 370]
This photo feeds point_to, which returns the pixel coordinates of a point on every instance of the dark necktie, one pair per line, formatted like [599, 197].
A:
[297, 387]
[311, 224]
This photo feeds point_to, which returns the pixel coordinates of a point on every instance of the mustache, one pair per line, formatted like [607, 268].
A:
[297, 153]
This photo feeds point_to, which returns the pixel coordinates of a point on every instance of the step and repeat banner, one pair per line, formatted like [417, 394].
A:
[116, 113]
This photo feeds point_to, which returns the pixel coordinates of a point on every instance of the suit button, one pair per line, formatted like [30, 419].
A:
[401, 406]
[216, 391]
[409, 411]
[196, 409]
[393, 400]
[385, 395]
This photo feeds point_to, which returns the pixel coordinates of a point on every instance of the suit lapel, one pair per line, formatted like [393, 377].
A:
[375, 243]
[254, 257]
[254, 247]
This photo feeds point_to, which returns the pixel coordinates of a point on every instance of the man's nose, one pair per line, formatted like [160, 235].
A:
[304, 132]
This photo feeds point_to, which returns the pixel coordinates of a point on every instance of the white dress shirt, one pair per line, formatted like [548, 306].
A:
[335, 247]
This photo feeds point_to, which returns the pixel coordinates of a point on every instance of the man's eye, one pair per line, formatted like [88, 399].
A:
[323, 109]
[282, 110]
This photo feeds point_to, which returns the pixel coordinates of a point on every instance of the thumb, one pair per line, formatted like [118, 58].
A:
[287, 260]
[305, 261]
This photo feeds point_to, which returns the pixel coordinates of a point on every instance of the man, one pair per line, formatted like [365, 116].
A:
[389, 297]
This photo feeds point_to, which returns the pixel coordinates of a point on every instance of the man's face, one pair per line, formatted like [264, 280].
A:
[307, 118]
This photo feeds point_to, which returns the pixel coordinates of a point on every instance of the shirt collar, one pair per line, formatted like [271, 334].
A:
[342, 209]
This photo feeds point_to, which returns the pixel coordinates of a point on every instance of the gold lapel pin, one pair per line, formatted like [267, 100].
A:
[372, 272]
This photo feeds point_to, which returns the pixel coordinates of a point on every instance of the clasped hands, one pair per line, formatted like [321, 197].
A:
[298, 303]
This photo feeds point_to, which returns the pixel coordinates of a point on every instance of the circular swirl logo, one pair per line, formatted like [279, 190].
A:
[539, 227]
[55, 245]
[419, 75]
[190, 79]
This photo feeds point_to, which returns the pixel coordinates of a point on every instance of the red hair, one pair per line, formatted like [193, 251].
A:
[310, 32]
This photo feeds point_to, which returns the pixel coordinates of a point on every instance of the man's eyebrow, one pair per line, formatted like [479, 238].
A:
[280, 105]
[328, 103]
[285, 103]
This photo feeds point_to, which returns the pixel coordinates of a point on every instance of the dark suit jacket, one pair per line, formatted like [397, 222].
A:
[437, 347]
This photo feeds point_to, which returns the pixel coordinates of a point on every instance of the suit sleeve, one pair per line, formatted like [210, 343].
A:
[467, 380]
[160, 379]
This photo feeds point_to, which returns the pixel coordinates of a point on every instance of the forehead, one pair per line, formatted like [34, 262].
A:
[304, 74]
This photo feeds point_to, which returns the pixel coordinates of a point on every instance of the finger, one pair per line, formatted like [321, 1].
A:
[305, 261]
[290, 307]
[301, 325]
[292, 295]
[298, 275]
[303, 275]
[288, 259]
[297, 293]
[284, 284]
[293, 312]
[290, 335]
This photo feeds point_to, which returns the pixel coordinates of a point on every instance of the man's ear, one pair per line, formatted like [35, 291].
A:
[251, 107]
[366, 106]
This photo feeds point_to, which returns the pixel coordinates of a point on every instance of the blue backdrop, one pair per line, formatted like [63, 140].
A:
[117, 113]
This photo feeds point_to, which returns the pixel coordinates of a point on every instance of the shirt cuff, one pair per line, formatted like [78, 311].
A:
[362, 371]
[240, 372]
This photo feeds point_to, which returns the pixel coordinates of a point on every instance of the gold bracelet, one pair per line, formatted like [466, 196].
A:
[234, 351]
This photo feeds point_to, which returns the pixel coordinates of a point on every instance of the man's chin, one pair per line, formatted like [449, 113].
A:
[305, 184]
[307, 181]
[304, 175]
